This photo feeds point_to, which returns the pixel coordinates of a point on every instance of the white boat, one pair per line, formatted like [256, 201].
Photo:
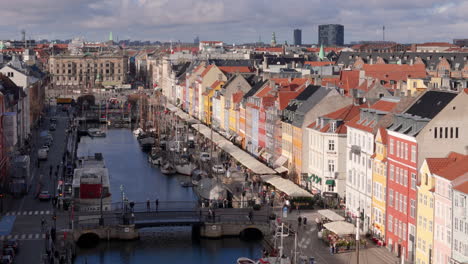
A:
[246, 261]
[137, 132]
[94, 132]
[168, 169]
[185, 168]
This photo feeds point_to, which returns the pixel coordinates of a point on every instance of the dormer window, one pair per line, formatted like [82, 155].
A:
[333, 126]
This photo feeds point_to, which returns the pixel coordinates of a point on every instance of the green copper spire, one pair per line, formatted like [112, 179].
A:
[321, 53]
[111, 38]
[273, 39]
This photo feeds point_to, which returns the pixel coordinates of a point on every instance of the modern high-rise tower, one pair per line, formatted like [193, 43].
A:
[297, 37]
[331, 35]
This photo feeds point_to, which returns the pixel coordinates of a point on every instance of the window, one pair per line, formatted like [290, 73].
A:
[456, 132]
[446, 132]
[392, 171]
[413, 181]
[406, 151]
[413, 153]
[391, 145]
[397, 201]
[397, 176]
[398, 149]
[390, 198]
[435, 132]
[331, 145]
[405, 205]
[451, 132]
[412, 208]
[431, 202]
[405, 178]
[331, 165]
[390, 223]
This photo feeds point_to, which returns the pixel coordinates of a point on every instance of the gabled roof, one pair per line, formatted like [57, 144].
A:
[237, 97]
[207, 69]
[457, 165]
[384, 104]
[344, 114]
[462, 187]
[430, 104]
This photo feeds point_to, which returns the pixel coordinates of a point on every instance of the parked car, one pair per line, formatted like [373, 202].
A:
[6, 259]
[204, 156]
[45, 196]
[45, 147]
[218, 169]
[12, 243]
[42, 154]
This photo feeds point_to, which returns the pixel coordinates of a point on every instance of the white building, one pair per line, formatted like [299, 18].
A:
[327, 152]
[460, 222]
[359, 150]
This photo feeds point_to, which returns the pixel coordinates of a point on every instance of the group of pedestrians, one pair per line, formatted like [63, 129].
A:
[148, 204]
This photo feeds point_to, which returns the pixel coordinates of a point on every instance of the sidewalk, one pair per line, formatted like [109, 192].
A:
[308, 244]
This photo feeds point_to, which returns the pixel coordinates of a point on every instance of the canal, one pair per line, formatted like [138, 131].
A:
[128, 167]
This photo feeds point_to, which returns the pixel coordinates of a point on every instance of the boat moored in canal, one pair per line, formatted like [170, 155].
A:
[168, 169]
[95, 132]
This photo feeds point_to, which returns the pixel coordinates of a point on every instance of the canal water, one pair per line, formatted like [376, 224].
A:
[128, 167]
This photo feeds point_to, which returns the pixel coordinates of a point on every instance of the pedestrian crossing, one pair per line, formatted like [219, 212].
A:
[31, 213]
[34, 236]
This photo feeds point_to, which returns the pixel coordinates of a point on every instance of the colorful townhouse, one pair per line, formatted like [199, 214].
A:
[425, 209]
[411, 138]
[210, 75]
[460, 231]
[211, 102]
[327, 148]
[359, 150]
[452, 172]
[379, 185]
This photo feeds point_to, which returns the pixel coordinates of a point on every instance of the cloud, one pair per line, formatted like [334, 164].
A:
[234, 21]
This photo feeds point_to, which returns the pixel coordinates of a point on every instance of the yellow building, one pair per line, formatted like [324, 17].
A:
[222, 111]
[425, 212]
[297, 151]
[379, 184]
[416, 86]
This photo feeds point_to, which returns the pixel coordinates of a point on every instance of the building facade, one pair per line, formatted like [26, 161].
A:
[297, 37]
[331, 35]
[80, 72]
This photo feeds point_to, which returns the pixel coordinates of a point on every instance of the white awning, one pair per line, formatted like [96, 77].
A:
[240, 155]
[280, 161]
[281, 169]
[341, 228]
[266, 155]
[330, 215]
[286, 186]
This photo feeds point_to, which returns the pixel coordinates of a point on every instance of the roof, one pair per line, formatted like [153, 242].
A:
[454, 169]
[215, 84]
[385, 104]
[237, 97]
[319, 63]
[231, 69]
[395, 72]
[348, 80]
[383, 135]
[344, 114]
[436, 44]
[462, 187]
[207, 69]
[430, 104]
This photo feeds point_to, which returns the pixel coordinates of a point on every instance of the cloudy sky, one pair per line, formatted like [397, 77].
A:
[233, 21]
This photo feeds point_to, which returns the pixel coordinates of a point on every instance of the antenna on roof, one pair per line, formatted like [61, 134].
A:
[383, 32]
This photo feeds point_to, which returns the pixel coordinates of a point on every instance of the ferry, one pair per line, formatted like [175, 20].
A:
[91, 184]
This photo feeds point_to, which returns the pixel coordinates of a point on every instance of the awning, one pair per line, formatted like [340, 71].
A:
[330, 182]
[280, 161]
[318, 179]
[281, 169]
[266, 155]
[311, 178]
[286, 186]
[330, 215]
[240, 155]
[341, 228]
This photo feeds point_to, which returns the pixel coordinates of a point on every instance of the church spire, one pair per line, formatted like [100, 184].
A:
[321, 53]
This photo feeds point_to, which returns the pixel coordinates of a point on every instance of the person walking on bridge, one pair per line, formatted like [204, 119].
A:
[148, 205]
[157, 204]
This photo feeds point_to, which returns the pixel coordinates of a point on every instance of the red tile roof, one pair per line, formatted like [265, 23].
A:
[215, 84]
[230, 69]
[462, 187]
[270, 49]
[319, 63]
[348, 80]
[394, 72]
[237, 97]
[436, 44]
[287, 85]
[384, 105]
[345, 114]
[383, 135]
[207, 69]
[436, 164]
[457, 168]
[325, 49]
[285, 96]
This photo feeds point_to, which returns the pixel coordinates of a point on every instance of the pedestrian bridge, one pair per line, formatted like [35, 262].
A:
[213, 223]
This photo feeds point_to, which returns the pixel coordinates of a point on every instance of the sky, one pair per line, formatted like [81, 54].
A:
[233, 21]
